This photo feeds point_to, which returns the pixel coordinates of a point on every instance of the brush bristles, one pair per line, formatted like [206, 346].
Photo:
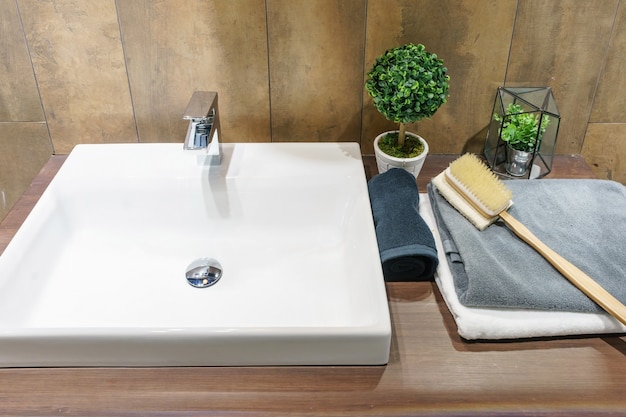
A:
[480, 185]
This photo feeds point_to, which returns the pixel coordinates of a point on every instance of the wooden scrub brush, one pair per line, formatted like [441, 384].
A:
[477, 193]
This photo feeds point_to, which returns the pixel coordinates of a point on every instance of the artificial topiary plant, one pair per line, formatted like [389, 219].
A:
[407, 84]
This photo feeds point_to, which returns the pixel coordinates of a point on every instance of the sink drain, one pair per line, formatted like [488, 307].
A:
[203, 272]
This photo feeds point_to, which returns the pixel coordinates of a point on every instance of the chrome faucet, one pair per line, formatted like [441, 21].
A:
[203, 133]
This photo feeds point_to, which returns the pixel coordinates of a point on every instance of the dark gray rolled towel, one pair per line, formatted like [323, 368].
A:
[405, 242]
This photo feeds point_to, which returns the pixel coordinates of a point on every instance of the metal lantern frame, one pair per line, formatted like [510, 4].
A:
[538, 101]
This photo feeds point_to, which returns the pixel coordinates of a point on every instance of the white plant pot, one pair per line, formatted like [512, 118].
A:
[386, 162]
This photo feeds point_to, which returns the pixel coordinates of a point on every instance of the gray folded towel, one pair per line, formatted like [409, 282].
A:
[405, 242]
[582, 220]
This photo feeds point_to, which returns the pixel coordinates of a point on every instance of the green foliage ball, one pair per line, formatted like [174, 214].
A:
[408, 83]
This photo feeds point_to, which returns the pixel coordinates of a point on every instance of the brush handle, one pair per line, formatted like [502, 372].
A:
[577, 277]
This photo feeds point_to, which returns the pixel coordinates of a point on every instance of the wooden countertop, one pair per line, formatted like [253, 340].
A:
[431, 370]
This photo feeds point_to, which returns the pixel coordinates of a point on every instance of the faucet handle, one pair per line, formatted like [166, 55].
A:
[200, 105]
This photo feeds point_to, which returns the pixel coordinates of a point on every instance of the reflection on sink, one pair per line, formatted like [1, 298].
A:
[96, 274]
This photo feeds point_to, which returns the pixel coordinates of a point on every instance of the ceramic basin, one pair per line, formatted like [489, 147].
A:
[96, 274]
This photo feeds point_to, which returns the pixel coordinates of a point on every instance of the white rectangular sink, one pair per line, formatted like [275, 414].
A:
[96, 274]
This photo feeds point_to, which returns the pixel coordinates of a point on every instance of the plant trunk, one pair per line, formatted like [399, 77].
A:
[401, 135]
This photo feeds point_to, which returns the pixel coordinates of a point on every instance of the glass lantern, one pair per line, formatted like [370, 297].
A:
[522, 133]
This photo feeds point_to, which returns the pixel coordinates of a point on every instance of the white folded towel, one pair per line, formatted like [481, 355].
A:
[507, 323]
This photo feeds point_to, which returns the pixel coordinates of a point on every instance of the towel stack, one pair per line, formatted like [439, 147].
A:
[497, 286]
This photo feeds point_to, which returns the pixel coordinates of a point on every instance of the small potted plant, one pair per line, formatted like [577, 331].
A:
[522, 132]
[407, 84]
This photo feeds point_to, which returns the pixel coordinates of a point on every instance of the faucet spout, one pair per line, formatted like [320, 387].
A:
[203, 133]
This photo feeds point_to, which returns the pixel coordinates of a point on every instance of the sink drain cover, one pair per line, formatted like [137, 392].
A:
[203, 272]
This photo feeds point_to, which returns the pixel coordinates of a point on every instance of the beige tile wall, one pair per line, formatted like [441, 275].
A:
[24, 140]
[100, 71]
[563, 44]
[316, 69]
[81, 73]
[176, 47]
